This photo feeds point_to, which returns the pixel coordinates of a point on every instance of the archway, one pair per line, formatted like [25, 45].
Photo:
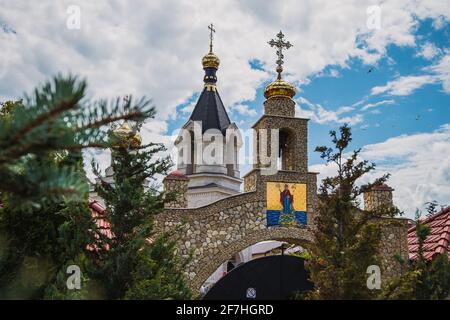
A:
[271, 277]
[301, 237]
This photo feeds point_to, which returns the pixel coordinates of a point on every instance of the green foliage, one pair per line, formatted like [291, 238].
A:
[304, 255]
[133, 267]
[426, 280]
[45, 222]
[40, 241]
[159, 273]
[54, 119]
[346, 238]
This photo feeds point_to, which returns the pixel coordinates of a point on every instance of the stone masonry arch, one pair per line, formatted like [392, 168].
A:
[299, 236]
[209, 235]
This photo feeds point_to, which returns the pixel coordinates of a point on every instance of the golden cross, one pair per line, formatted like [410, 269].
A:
[211, 36]
[280, 45]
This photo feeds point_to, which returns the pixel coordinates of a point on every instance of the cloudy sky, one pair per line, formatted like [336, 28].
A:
[390, 81]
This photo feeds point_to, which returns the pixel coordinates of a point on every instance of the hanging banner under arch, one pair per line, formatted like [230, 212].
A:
[286, 204]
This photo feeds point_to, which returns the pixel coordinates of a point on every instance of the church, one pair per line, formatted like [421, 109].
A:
[209, 126]
[226, 221]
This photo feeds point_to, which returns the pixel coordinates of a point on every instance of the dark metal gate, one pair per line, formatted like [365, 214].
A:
[273, 277]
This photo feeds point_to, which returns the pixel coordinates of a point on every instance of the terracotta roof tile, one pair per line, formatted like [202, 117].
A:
[98, 214]
[438, 241]
[176, 175]
[382, 187]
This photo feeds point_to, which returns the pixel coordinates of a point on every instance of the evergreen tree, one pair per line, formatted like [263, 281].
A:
[346, 238]
[45, 222]
[159, 273]
[135, 264]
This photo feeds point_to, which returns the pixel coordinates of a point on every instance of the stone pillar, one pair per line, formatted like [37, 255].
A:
[393, 250]
[378, 197]
[176, 183]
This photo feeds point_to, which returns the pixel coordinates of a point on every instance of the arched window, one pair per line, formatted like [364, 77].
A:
[190, 166]
[286, 153]
[231, 167]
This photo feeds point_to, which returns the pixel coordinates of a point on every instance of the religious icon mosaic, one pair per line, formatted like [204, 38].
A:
[286, 204]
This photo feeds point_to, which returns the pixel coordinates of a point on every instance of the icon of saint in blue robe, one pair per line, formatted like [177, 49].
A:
[287, 200]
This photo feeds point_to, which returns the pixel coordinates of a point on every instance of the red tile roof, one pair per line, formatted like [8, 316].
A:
[176, 175]
[438, 241]
[382, 187]
[98, 214]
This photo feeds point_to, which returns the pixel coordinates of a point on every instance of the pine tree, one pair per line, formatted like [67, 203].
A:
[347, 238]
[159, 273]
[45, 222]
[137, 265]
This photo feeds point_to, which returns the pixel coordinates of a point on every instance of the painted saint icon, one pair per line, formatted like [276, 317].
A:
[287, 200]
[286, 204]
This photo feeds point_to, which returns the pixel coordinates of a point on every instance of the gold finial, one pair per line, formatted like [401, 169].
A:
[124, 133]
[211, 60]
[279, 87]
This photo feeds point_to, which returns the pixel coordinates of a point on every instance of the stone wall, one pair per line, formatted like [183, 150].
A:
[377, 198]
[394, 245]
[177, 186]
[210, 235]
[250, 181]
[279, 106]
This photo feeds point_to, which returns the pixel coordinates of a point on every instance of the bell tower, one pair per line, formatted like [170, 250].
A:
[281, 138]
[280, 149]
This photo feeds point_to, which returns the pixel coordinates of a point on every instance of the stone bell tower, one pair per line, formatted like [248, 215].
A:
[289, 147]
[280, 141]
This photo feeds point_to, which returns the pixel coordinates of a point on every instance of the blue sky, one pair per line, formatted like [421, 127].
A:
[424, 110]
[399, 112]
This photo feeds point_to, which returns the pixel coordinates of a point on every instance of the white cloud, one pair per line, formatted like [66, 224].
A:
[404, 86]
[377, 104]
[318, 114]
[418, 163]
[187, 109]
[442, 71]
[376, 111]
[155, 47]
[428, 51]
[244, 110]
[439, 72]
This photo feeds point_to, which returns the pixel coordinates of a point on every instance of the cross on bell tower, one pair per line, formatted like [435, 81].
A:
[280, 45]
